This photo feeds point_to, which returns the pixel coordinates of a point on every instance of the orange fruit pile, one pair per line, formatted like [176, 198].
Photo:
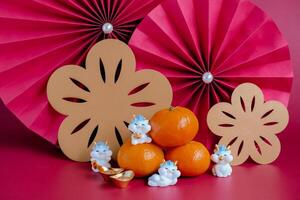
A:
[143, 159]
[172, 128]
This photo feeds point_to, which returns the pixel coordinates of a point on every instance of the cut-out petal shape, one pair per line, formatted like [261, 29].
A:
[239, 155]
[269, 152]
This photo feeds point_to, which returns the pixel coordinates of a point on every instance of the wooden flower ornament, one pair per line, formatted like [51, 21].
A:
[249, 124]
[101, 99]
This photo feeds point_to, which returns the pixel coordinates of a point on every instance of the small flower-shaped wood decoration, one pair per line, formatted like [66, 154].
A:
[249, 124]
[101, 99]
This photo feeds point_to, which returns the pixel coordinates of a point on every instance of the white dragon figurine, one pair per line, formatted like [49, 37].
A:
[100, 156]
[222, 157]
[139, 127]
[167, 175]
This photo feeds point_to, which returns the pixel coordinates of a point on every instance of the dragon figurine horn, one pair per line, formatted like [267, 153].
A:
[176, 162]
[216, 148]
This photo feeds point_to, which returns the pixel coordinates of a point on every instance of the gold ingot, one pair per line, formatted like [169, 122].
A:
[107, 172]
[122, 179]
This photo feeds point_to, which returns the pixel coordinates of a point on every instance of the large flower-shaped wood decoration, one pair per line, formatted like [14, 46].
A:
[249, 124]
[101, 99]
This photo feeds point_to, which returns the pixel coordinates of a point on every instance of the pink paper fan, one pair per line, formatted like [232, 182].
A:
[233, 40]
[36, 37]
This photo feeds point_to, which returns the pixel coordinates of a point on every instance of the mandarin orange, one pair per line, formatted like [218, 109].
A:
[173, 127]
[193, 158]
[143, 159]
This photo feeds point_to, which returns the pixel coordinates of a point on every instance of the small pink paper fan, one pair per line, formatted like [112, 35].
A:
[36, 37]
[208, 47]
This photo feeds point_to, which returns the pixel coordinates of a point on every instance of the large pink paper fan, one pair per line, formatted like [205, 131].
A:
[208, 47]
[38, 36]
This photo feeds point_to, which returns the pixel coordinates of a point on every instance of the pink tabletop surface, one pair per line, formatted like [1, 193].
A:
[31, 168]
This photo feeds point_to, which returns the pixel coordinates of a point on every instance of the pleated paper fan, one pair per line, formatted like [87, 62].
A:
[208, 47]
[38, 36]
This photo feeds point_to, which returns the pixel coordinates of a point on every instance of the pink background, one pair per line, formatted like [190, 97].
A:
[31, 168]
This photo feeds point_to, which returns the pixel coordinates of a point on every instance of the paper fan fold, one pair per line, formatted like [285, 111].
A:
[233, 40]
[39, 36]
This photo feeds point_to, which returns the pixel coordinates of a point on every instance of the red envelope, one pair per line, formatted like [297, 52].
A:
[233, 40]
[39, 36]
